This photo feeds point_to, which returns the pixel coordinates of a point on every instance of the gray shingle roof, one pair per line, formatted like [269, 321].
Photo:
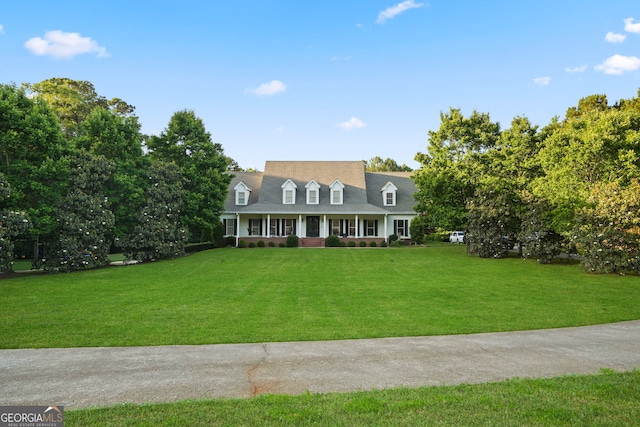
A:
[361, 190]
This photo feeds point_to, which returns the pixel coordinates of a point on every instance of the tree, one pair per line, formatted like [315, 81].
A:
[449, 174]
[73, 100]
[12, 224]
[31, 151]
[492, 222]
[376, 164]
[607, 232]
[118, 139]
[84, 218]
[186, 143]
[159, 234]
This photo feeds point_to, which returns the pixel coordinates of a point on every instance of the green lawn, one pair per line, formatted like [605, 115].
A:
[607, 399]
[284, 294]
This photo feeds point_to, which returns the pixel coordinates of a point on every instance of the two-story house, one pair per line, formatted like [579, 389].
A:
[315, 199]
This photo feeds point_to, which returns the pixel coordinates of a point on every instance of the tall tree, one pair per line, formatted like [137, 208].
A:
[159, 233]
[376, 164]
[73, 100]
[12, 224]
[186, 143]
[84, 218]
[449, 174]
[118, 139]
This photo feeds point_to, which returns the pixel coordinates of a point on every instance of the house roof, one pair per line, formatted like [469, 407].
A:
[361, 193]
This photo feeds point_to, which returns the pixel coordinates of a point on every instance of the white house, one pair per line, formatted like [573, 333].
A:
[315, 199]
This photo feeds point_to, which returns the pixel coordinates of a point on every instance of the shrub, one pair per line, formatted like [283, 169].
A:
[242, 244]
[373, 244]
[252, 244]
[351, 244]
[230, 241]
[332, 241]
[363, 244]
[272, 245]
[261, 243]
[282, 245]
[394, 244]
[343, 243]
[292, 241]
[383, 244]
[393, 238]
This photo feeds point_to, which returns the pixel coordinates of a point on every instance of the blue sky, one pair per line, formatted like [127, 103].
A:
[328, 80]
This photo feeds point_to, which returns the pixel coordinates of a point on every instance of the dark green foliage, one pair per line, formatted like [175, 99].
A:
[608, 230]
[332, 241]
[292, 241]
[492, 222]
[242, 243]
[261, 243]
[252, 244]
[281, 245]
[159, 233]
[393, 238]
[12, 224]
[373, 244]
[538, 239]
[351, 244]
[84, 218]
[362, 244]
[419, 228]
[272, 245]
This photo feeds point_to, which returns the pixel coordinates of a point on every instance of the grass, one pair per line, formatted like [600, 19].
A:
[607, 399]
[283, 294]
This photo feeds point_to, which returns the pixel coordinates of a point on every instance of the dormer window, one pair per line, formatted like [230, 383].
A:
[389, 192]
[242, 194]
[289, 192]
[313, 191]
[336, 190]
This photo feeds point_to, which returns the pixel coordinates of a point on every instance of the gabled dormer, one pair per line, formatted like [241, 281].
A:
[289, 192]
[389, 194]
[313, 192]
[242, 194]
[336, 191]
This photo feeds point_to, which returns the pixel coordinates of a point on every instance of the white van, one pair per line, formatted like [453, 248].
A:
[456, 237]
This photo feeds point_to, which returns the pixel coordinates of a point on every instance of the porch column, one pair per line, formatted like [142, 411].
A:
[386, 235]
[357, 228]
[237, 228]
[299, 230]
[268, 225]
[324, 226]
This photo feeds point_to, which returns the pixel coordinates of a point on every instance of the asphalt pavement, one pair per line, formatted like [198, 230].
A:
[90, 377]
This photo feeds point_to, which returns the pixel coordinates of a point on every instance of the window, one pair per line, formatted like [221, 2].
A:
[289, 192]
[255, 227]
[242, 194]
[274, 227]
[288, 197]
[389, 192]
[401, 227]
[230, 227]
[371, 227]
[352, 227]
[289, 226]
[313, 189]
[337, 192]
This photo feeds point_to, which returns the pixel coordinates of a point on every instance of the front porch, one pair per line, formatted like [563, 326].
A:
[310, 242]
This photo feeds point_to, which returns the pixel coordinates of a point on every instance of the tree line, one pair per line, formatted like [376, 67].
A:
[79, 179]
[570, 186]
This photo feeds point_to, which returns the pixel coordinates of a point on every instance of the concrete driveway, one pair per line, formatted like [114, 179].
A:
[86, 377]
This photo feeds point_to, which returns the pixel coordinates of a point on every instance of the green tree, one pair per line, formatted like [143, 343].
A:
[376, 164]
[31, 149]
[449, 174]
[118, 139]
[607, 231]
[186, 143]
[12, 224]
[73, 100]
[159, 233]
[492, 220]
[84, 218]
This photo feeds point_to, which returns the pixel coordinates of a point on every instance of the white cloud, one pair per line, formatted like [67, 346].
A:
[352, 123]
[615, 38]
[267, 89]
[1, 29]
[64, 45]
[542, 81]
[392, 11]
[619, 64]
[630, 27]
[580, 69]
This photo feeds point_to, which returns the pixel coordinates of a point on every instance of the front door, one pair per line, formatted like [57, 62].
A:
[313, 226]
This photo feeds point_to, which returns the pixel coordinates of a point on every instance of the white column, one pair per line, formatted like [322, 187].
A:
[268, 225]
[299, 230]
[237, 228]
[324, 226]
[357, 228]
[386, 235]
